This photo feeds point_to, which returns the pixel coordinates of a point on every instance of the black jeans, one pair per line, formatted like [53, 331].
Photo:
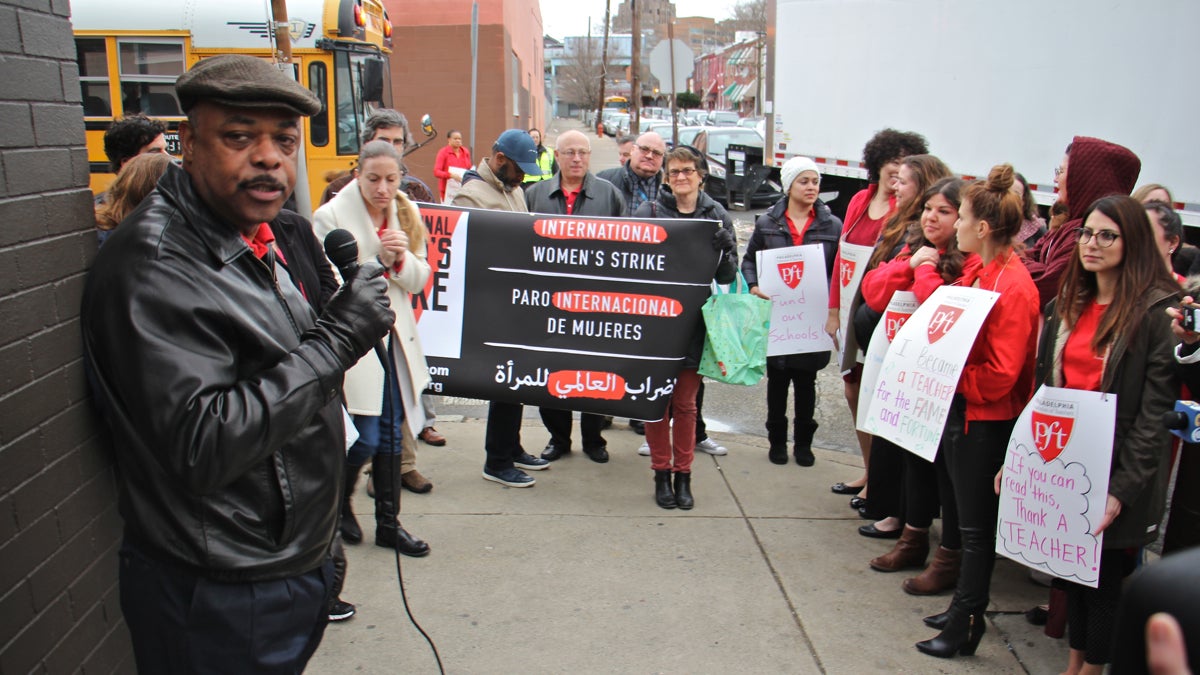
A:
[559, 423]
[804, 385]
[974, 453]
[180, 622]
[502, 439]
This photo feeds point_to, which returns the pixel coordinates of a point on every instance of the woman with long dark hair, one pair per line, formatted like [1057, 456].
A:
[995, 385]
[1111, 311]
[930, 259]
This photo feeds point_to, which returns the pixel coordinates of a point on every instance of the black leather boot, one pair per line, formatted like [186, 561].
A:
[683, 491]
[963, 624]
[351, 532]
[388, 531]
[777, 437]
[663, 495]
[802, 448]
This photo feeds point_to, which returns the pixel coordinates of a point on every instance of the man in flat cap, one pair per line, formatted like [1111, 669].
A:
[222, 389]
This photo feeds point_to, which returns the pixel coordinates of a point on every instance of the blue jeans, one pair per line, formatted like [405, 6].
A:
[381, 434]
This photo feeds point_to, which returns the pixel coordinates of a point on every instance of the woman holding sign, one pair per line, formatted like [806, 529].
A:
[995, 385]
[930, 259]
[799, 218]
[865, 216]
[1108, 331]
[682, 197]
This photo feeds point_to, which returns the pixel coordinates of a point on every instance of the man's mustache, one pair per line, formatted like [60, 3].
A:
[262, 182]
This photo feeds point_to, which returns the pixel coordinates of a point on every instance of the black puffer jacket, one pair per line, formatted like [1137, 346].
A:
[726, 272]
[226, 420]
[771, 231]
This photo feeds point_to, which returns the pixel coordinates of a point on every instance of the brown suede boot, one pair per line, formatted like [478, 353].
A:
[940, 576]
[911, 550]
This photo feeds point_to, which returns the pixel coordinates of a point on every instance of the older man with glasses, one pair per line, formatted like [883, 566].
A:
[640, 179]
[573, 190]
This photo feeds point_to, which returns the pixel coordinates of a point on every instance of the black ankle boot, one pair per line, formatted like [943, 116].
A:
[663, 495]
[937, 621]
[683, 491]
[388, 531]
[351, 532]
[961, 636]
[777, 437]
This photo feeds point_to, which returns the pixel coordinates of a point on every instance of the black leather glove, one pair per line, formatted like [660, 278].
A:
[357, 316]
[724, 242]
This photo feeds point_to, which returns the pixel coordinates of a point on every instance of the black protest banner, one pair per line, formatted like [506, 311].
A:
[577, 313]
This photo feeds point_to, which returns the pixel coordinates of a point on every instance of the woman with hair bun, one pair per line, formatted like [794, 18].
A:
[995, 385]
[1111, 310]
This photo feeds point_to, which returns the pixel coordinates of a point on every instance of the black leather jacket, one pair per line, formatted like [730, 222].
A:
[226, 421]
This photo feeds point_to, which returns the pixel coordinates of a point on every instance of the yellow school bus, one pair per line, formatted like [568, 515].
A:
[130, 53]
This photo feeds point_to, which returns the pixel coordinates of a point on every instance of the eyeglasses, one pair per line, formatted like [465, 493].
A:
[1104, 238]
[647, 150]
[1059, 171]
[574, 153]
[673, 173]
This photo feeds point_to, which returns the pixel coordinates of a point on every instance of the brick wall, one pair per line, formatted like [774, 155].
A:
[59, 526]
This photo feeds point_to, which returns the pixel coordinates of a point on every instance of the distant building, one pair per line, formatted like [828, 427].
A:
[702, 33]
[431, 71]
[728, 79]
[656, 14]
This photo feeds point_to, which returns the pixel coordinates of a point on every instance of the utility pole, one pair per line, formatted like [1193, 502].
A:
[758, 75]
[603, 65]
[635, 67]
[674, 107]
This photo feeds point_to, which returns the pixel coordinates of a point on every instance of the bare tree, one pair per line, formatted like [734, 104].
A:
[750, 15]
[579, 77]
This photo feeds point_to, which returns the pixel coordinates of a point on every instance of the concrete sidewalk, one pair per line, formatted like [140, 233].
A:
[584, 573]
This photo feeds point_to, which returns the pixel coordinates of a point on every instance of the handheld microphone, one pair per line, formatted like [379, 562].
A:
[1184, 421]
[342, 250]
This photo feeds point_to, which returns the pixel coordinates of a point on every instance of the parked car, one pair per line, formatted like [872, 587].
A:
[723, 118]
[612, 122]
[713, 142]
[749, 122]
[688, 134]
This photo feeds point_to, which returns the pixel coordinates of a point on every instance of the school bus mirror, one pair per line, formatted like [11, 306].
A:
[427, 125]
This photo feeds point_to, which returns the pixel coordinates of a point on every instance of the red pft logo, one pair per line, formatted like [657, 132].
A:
[892, 321]
[944, 318]
[847, 272]
[791, 272]
[1051, 433]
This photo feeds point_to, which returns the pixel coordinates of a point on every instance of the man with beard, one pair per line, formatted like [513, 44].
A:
[222, 389]
[496, 185]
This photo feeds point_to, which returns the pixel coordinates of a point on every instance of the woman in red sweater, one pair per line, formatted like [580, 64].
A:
[452, 156]
[929, 260]
[1108, 331]
[865, 215]
[994, 387]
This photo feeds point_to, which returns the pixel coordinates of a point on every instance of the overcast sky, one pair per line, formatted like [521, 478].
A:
[561, 18]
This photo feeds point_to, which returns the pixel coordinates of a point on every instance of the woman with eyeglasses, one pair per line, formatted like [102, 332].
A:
[1108, 331]
[672, 446]
[799, 218]
[995, 384]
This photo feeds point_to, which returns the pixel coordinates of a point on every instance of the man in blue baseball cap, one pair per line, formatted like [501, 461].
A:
[496, 185]
[491, 186]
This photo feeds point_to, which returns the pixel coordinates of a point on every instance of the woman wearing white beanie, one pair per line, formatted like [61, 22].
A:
[800, 217]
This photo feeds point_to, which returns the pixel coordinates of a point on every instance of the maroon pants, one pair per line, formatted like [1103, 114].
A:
[682, 448]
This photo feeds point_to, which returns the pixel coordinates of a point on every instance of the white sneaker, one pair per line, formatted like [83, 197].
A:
[644, 449]
[710, 446]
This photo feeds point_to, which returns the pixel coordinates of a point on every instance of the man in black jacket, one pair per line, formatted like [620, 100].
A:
[221, 388]
[574, 191]
[639, 180]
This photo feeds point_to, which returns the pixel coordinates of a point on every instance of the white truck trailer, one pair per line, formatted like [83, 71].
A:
[988, 82]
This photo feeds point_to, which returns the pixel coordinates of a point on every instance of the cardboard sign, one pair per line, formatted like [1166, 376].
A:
[1055, 483]
[919, 374]
[851, 270]
[568, 312]
[899, 309]
[794, 277]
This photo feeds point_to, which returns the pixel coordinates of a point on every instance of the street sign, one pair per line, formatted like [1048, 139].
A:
[660, 64]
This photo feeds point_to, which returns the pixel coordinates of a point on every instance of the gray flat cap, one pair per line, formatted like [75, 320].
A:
[243, 82]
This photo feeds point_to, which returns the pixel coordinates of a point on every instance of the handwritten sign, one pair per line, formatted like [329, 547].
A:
[1055, 483]
[917, 379]
[591, 314]
[899, 309]
[794, 277]
[851, 268]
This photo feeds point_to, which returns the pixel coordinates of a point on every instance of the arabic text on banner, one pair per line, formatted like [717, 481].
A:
[918, 377]
[1055, 483]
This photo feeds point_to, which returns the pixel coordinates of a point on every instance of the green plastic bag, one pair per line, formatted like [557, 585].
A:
[735, 340]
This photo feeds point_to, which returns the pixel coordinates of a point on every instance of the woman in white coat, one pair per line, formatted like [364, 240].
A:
[387, 226]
